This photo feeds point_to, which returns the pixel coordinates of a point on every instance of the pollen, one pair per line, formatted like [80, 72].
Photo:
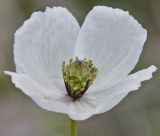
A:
[78, 76]
[45, 97]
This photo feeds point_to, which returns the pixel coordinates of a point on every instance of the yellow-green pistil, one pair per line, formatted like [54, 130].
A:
[78, 76]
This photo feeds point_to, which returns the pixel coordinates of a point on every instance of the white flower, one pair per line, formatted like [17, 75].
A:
[111, 38]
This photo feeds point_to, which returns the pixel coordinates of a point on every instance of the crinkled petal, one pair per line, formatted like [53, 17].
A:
[43, 42]
[113, 39]
[112, 96]
[52, 100]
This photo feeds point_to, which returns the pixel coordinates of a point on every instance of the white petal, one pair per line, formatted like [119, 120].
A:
[43, 42]
[83, 108]
[112, 96]
[52, 100]
[113, 39]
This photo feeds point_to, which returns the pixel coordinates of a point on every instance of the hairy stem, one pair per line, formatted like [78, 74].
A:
[73, 128]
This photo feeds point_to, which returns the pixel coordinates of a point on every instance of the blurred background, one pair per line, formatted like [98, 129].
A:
[137, 115]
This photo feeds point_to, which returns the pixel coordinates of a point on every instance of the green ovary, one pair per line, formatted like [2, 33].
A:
[78, 76]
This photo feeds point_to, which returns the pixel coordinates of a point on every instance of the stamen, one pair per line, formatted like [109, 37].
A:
[78, 76]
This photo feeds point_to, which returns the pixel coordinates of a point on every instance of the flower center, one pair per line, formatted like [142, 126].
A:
[78, 76]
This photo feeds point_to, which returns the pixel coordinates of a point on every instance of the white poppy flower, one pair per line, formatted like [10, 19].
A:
[111, 38]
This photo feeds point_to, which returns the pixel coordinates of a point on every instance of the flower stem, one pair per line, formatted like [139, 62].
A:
[73, 128]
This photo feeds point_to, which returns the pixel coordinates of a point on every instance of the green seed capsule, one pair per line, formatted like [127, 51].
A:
[78, 76]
